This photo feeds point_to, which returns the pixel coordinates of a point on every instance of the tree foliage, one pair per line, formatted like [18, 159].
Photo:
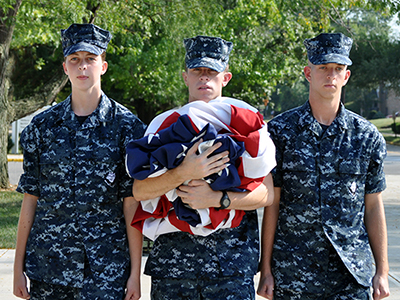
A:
[375, 60]
[146, 53]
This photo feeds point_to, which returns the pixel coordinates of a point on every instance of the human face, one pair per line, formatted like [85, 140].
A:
[84, 70]
[204, 83]
[326, 81]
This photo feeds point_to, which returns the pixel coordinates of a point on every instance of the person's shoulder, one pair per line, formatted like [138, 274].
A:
[288, 117]
[122, 112]
[360, 122]
[50, 114]
[118, 107]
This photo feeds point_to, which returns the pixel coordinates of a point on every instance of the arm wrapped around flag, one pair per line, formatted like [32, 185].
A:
[241, 131]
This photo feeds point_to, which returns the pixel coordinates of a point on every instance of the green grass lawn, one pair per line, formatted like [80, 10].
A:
[383, 126]
[10, 205]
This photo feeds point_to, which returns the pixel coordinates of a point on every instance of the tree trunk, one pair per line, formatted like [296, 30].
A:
[383, 99]
[7, 24]
[11, 110]
[46, 95]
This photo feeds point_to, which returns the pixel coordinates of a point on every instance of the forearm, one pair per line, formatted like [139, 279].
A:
[198, 195]
[262, 196]
[150, 188]
[375, 223]
[27, 216]
[270, 219]
[135, 238]
[269, 223]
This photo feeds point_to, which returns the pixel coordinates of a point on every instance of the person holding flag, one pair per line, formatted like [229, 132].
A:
[205, 172]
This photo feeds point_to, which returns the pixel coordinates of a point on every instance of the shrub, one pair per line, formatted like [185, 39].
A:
[396, 127]
[374, 114]
[10, 143]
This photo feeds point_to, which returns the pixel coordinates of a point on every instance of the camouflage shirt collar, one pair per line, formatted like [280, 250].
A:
[306, 119]
[103, 112]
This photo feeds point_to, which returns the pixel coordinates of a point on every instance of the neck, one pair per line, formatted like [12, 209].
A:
[324, 111]
[83, 104]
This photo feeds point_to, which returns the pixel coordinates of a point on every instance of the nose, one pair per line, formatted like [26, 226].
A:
[331, 73]
[82, 66]
[204, 76]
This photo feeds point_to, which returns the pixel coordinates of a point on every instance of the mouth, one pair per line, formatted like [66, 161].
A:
[82, 77]
[204, 88]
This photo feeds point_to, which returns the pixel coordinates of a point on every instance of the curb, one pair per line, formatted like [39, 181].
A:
[15, 158]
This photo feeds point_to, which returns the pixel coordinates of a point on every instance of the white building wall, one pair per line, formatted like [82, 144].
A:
[19, 125]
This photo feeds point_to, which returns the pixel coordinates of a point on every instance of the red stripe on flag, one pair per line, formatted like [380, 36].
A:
[163, 207]
[244, 126]
[238, 218]
[171, 119]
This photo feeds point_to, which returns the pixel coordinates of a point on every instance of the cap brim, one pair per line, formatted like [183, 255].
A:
[83, 46]
[206, 62]
[330, 58]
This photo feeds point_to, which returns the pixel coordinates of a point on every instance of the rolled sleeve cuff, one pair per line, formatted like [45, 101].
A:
[28, 184]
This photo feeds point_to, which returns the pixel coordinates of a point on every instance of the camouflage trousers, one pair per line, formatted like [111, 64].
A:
[336, 283]
[40, 290]
[225, 288]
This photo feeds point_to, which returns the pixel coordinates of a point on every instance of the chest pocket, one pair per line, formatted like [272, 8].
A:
[353, 166]
[294, 160]
[55, 175]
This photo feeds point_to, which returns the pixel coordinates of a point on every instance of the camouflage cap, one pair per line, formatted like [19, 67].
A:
[84, 37]
[329, 48]
[206, 51]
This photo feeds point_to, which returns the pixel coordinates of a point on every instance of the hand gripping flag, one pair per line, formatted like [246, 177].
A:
[234, 123]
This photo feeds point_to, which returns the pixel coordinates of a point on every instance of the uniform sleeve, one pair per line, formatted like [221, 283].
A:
[277, 171]
[133, 129]
[376, 182]
[29, 180]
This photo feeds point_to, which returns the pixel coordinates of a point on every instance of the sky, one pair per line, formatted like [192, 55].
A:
[394, 23]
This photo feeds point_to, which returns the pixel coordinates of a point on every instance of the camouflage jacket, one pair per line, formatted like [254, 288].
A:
[78, 173]
[324, 177]
[226, 252]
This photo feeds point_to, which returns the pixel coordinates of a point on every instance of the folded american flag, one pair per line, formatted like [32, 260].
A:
[234, 123]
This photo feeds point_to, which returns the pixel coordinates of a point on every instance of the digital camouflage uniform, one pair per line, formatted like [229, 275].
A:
[323, 177]
[226, 253]
[219, 266]
[78, 173]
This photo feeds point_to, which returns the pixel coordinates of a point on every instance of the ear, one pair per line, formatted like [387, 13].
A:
[347, 77]
[65, 68]
[307, 73]
[226, 79]
[104, 67]
[185, 78]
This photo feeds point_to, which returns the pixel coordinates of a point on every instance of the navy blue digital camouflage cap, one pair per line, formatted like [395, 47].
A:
[329, 48]
[84, 37]
[207, 51]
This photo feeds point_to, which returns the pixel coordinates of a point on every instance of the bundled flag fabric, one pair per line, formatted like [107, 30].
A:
[234, 123]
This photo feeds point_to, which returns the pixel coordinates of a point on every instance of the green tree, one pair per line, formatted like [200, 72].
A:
[375, 60]
[146, 53]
